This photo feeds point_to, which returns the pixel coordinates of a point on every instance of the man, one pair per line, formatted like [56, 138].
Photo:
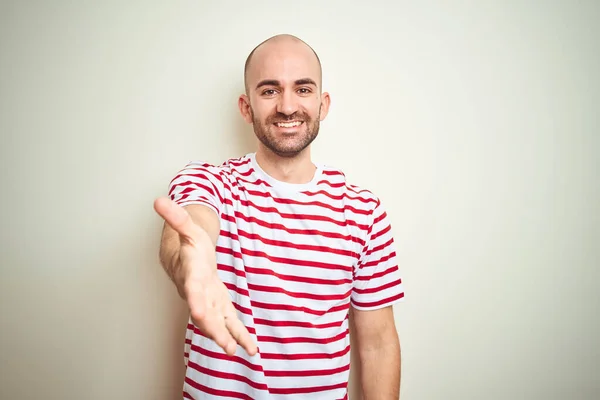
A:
[278, 255]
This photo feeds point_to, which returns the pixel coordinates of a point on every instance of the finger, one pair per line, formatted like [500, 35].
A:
[217, 331]
[241, 335]
[176, 216]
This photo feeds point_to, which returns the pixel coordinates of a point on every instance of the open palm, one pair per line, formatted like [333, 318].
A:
[208, 299]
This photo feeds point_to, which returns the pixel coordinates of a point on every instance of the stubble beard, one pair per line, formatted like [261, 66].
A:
[283, 147]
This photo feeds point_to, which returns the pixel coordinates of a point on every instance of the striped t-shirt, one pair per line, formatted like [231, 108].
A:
[294, 258]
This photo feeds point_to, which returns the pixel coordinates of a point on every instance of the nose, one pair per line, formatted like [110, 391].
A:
[287, 104]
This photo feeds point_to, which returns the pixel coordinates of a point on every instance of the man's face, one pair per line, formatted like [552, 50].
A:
[285, 102]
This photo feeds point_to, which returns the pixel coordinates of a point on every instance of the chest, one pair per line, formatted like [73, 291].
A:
[299, 251]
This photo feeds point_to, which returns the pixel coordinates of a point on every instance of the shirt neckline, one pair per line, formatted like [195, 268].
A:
[297, 187]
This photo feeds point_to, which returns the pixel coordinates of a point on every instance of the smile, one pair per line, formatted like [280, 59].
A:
[292, 124]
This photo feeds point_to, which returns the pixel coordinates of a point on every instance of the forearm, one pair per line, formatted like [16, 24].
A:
[380, 370]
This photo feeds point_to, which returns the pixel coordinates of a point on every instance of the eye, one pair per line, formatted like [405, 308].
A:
[304, 91]
[269, 92]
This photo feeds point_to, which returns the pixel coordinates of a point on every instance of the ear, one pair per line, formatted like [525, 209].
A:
[244, 106]
[325, 102]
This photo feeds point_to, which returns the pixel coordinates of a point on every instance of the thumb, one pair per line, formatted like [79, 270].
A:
[177, 218]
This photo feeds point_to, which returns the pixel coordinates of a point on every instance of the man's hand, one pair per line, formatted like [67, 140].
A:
[208, 299]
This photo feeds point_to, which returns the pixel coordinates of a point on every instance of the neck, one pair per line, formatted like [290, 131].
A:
[298, 169]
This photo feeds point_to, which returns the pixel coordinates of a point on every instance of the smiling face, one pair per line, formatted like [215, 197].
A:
[284, 100]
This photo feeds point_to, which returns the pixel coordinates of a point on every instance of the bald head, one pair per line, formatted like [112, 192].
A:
[273, 50]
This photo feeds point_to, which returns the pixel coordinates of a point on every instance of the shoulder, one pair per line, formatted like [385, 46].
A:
[223, 170]
[356, 195]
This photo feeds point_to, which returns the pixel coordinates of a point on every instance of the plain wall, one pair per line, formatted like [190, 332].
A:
[476, 122]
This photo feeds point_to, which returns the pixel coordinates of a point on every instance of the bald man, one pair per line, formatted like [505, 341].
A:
[276, 255]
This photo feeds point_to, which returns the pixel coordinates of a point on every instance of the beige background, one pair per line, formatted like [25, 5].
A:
[477, 123]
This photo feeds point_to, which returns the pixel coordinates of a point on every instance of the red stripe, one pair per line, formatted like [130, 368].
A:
[294, 278]
[299, 295]
[305, 373]
[187, 396]
[308, 203]
[237, 289]
[380, 261]
[357, 190]
[230, 252]
[237, 162]
[281, 243]
[381, 232]
[190, 186]
[378, 288]
[294, 216]
[343, 196]
[300, 339]
[305, 356]
[285, 307]
[270, 356]
[313, 389]
[288, 201]
[332, 173]
[206, 168]
[257, 182]
[223, 356]
[245, 174]
[233, 270]
[200, 182]
[246, 311]
[379, 218]
[300, 263]
[205, 172]
[272, 226]
[379, 302]
[340, 197]
[217, 175]
[283, 260]
[227, 375]
[333, 185]
[298, 324]
[380, 247]
[216, 392]
[378, 274]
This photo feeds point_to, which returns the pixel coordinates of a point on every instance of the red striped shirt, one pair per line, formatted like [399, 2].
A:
[295, 258]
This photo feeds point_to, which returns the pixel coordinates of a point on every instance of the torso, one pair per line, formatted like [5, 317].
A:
[288, 255]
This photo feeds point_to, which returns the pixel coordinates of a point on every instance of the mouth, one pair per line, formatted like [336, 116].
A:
[291, 124]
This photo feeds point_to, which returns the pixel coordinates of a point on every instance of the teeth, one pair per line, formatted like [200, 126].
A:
[288, 124]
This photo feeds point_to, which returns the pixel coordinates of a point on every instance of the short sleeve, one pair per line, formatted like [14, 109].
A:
[377, 280]
[198, 183]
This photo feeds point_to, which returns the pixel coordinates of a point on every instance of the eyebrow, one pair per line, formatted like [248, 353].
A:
[274, 82]
[305, 81]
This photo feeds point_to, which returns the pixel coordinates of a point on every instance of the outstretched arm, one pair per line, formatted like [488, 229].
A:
[187, 253]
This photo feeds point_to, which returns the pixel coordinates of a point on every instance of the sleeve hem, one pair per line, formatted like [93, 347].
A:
[376, 305]
[202, 203]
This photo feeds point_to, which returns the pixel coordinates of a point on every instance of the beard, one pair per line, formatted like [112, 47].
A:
[291, 144]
